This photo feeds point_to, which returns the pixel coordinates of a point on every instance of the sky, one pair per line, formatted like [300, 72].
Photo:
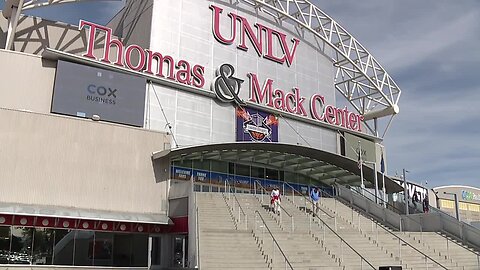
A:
[430, 48]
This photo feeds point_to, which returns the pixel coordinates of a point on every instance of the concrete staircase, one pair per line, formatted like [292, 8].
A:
[409, 256]
[302, 250]
[236, 238]
[436, 244]
[222, 245]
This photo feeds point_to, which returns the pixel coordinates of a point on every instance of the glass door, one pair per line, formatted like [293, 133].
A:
[180, 249]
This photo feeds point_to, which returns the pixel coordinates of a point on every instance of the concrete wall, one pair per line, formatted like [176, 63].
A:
[56, 160]
[27, 82]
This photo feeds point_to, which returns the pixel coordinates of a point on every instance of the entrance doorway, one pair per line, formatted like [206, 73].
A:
[180, 251]
[155, 255]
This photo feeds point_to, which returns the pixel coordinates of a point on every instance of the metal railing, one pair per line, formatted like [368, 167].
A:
[342, 243]
[307, 200]
[240, 211]
[263, 189]
[442, 233]
[238, 219]
[263, 241]
[401, 242]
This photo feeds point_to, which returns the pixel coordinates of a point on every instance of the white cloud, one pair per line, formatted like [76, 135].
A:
[430, 48]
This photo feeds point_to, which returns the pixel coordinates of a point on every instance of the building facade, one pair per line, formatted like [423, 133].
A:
[108, 129]
[465, 198]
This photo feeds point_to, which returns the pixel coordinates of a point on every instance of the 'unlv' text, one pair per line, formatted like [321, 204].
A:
[256, 37]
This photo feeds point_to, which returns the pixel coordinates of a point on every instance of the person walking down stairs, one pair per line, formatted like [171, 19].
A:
[275, 200]
[315, 196]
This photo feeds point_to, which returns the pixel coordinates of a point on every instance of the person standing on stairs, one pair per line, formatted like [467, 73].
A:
[415, 200]
[315, 196]
[275, 200]
[426, 204]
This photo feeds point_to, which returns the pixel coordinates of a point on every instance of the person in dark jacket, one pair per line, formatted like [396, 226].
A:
[426, 204]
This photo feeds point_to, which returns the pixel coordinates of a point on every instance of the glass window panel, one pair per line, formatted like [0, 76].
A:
[219, 166]
[140, 250]
[243, 170]
[303, 179]
[122, 250]
[156, 251]
[290, 177]
[43, 242]
[180, 248]
[258, 172]
[63, 247]
[21, 247]
[214, 189]
[205, 188]
[202, 165]
[102, 249]
[83, 252]
[231, 168]
[4, 244]
[196, 187]
[183, 163]
[271, 174]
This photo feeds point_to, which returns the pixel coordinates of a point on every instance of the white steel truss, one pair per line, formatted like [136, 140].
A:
[13, 8]
[359, 77]
[42, 3]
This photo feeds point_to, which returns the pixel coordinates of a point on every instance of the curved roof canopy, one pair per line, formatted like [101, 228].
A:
[322, 166]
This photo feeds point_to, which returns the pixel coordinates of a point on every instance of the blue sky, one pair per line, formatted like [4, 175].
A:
[430, 48]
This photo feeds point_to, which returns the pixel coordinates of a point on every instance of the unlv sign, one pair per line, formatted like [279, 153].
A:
[262, 40]
[227, 85]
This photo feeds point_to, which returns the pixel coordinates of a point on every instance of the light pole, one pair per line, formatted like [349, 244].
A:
[376, 179]
[457, 214]
[405, 191]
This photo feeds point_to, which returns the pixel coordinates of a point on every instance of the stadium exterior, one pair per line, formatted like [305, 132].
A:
[464, 198]
[108, 129]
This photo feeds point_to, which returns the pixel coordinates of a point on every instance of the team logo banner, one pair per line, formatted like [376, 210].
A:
[257, 126]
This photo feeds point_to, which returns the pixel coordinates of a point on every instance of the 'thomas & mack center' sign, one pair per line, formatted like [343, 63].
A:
[227, 85]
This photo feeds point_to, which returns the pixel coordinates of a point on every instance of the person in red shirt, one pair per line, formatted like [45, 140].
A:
[275, 200]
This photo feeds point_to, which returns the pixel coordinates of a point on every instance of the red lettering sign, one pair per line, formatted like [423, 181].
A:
[293, 102]
[263, 38]
[181, 71]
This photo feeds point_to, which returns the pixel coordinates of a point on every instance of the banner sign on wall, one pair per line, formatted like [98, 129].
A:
[85, 91]
[255, 125]
[237, 181]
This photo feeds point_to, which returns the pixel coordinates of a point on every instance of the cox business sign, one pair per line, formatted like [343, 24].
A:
[268, 43]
